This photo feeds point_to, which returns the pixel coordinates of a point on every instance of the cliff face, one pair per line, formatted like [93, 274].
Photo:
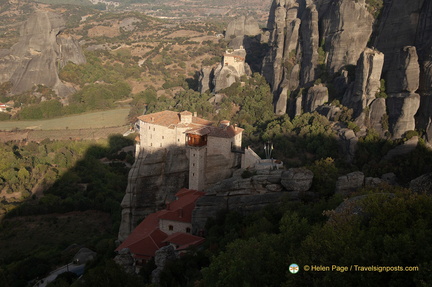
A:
[322, 40]
[41, 51]
[153, 179]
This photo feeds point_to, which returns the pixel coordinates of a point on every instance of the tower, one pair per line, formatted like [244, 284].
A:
[197, 149]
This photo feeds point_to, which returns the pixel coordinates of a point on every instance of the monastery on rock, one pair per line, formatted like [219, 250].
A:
[207, 145]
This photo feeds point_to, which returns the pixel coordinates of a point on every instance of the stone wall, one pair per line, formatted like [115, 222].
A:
[177, 226]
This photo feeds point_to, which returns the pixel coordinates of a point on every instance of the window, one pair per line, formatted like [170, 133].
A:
[188, 230]
[170, 227]
[163, 137]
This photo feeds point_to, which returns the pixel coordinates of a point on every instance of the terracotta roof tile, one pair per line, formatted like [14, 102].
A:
[171, 119]
[146, 238]
[184, 240]
[181, 209]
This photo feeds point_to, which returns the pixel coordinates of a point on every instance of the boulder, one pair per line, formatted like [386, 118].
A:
[84, 255]
[422, 184]
[297, 179]
[404, 72]
[162, 257]
[125, 260]
[402, 149]
[316, 96]
[390, 178]
[349, 183]
[378, 116]
[401, 110]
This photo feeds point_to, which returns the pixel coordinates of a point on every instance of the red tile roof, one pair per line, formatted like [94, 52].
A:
[147, 238]
[171, 119]
[181, 209]
[227, 132]
[184, 240]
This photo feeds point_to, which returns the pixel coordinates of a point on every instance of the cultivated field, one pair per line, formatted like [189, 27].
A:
[103, 119]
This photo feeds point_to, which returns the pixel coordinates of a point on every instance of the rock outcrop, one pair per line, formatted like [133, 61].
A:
[352, 182]
[155, 177]
[233, 66]
[242, 26]
[402, 149]
[377, 116]
[246, 195]
[125, 260]
[41, 51]
[401, 110]
[312, 40]
[162, 257]
[346, 27]
[316, 96]
[306, 36]
[367, 81]
[205, 80]
[422, 184]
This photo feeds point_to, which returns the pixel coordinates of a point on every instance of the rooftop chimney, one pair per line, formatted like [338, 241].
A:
[224, 124]
[185, 117]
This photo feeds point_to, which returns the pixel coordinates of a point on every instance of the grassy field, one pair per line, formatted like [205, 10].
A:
[111, 118]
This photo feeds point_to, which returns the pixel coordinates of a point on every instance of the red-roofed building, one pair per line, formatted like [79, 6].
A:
[171, 225]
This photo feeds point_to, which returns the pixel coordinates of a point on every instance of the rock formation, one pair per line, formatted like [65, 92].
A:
[251, 194]
[205, 79]
[233, 66]
[163, 257]
[367, 81]
[306, 37]
[41, 51]
[242, 26]
[155, 177]
[346, 27]
[422, 184]
[326, 39]
[316, 96]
